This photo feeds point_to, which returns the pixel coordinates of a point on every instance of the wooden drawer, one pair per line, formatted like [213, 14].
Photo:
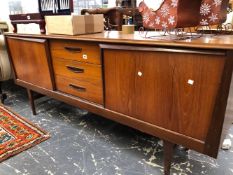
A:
[80, 51]
[91, 91]
[77, 70]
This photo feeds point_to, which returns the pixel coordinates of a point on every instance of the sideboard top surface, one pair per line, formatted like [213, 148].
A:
[206, 41]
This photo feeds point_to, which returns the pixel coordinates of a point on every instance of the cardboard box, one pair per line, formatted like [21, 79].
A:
[3, 25]
[74, 24]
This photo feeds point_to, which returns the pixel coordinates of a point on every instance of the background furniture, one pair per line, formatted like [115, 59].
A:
[46, 7]
[176, 91]
[114, 17]
[5, 68]
[128, 3]
[3, 27]
[50, 7]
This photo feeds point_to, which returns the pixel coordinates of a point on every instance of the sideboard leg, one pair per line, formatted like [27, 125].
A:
[168, 154]
[3, 96]
[31, 101]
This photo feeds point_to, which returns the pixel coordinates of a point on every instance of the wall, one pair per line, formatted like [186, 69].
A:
[10, 7]
[4, 10]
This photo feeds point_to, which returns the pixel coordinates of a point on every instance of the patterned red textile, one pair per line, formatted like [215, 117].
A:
[17, 134]
[213, 12]
[171, 14]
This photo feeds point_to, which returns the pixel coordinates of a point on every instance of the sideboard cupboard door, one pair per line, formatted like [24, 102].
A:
[175, 91]
[30, 60]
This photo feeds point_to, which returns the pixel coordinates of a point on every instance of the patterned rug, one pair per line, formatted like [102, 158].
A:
[17, 134]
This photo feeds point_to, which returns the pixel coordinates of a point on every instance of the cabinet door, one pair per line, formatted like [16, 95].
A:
[175, 91]
[30, 61]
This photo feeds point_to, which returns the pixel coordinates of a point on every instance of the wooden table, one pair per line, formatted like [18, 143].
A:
[176, 90]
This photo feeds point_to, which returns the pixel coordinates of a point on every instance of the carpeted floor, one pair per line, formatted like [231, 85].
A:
[82, 143]
[17, 134]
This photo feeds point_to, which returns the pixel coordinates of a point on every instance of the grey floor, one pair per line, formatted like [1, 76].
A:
[82, 143]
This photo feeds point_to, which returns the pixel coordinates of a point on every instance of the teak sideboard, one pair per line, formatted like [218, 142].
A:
[171, 89]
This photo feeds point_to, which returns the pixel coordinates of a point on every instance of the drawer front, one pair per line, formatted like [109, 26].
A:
[84, 52]
[77, 70]
[91, 91]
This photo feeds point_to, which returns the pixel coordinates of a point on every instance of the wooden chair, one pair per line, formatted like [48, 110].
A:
[114, 17]
[5, 68]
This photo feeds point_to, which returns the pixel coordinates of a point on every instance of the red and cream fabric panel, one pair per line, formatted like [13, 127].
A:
[213, 12]
[170, 14]
[164, 17]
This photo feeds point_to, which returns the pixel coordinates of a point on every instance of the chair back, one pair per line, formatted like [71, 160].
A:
[213, 12]
[171, 14]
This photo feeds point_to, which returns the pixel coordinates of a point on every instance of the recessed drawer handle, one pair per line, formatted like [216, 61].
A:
[75, 69]
[73, 49]
[78, 88]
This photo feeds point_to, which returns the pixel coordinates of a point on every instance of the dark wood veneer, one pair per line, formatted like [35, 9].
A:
[215, 133]
[30, 61]
[69, 68]
[91, 91]
[175, 90]
[118, 117]
[163, 88]
[75, 51]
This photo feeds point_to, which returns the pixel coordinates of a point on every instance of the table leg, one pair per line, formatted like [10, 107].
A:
[31, 101]
[3, 96]
[168, 154]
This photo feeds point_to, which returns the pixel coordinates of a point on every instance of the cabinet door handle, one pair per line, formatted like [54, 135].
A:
[78, 88]
[75, 69]
[73, 49]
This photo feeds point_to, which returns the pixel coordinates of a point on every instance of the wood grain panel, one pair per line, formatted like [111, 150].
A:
[30, 61]
[79, 51]
[154, 130]
[162, 95]
[77, 70]
[216, 128]
[91, 90]
[119, 74]
[160, 102]
[219, 42]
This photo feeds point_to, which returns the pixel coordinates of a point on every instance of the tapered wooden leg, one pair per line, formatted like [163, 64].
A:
[3, 96]
[31, 101]
[168, 154]
[0, 87]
